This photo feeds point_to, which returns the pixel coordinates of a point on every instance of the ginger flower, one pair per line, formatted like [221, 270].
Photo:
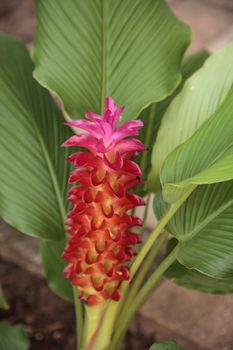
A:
[100, 223]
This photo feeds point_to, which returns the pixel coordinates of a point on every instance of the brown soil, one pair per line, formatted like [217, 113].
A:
[49, 320]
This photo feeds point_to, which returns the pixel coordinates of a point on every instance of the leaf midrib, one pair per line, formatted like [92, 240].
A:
[205, 222]
[215, 116]
[50, 167]
[104, 55]
[221, 155]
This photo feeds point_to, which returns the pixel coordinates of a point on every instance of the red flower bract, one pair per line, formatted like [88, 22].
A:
[99, 224]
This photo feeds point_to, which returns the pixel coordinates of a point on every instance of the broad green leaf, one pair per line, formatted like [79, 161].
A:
[33, 173]
[193, 279]
[87, 50]
[207, 157]
[153, 115]
[189, 66]
[191, 63]
[204, 228]
[54, 266]
[3, 302]
[166, 345]
[201, 97]
[13, 337]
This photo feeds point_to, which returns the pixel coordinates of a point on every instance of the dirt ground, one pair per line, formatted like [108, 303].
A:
[49, 320]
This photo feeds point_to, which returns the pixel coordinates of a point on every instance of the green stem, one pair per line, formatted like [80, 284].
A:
[155, 233]
[99, 325]
[143, 252]
[145, 214]
[93, 320]
[107, 326]
[142, 273]
[140, 298]
[79, 318]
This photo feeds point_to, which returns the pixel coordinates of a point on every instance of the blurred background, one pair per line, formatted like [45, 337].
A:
[211, 20]
[198, 321]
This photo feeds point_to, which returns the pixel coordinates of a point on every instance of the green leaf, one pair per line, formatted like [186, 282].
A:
[204, 228]
[189, 66]
[201, 98]
[207, 157]
[3, 302]
[166, 345]
[33, 173]
[13, 337]
[87, 50]
[54, 266]
[193, 279]
[152, 116]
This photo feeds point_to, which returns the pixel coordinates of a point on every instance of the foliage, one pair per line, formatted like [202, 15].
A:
[153, 115]
[191, 122]
[89, 50]
[196, 280]
[32, 199]
[133, 51]
[54, 266]
[13, 337]
[203, 227]
[3, 302]
[166, 345]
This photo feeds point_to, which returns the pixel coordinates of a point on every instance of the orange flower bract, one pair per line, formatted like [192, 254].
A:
[100, 224]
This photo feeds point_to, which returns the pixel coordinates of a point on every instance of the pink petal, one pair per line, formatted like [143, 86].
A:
[85, 141]
[93, 116]
[110, 105]
[130, 145]
[112, 119]
[116, 164]
[111, 113]
[72, 141]
[91, 127]
[117, 115]
[129, 128]
[100, 147]
[107, 130]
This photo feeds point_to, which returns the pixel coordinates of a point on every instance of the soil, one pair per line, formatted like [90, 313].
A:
[49, 320]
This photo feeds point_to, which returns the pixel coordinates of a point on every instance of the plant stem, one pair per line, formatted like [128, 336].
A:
[79, 318]
[140, 298]
[145, 214]
[142, 273]
[93, 322]
[99, 326]
[141, 256]
[107, 326]
[155, 233]
[124, 297]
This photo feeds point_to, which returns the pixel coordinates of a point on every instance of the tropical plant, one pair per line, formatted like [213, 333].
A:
[93, 56]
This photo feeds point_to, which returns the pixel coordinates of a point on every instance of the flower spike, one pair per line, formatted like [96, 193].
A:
[100, 226]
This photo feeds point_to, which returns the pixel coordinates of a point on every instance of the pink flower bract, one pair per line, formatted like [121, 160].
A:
[99, 222]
